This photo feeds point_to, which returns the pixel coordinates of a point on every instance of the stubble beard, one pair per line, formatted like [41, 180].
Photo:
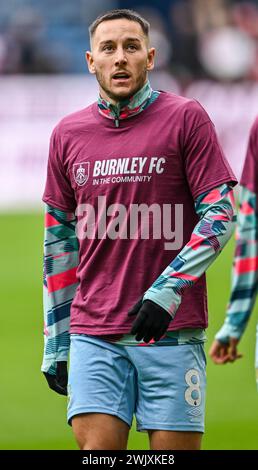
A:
[117, 97]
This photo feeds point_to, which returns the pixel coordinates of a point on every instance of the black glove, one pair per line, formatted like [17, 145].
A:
[58, 382]
[151, 322]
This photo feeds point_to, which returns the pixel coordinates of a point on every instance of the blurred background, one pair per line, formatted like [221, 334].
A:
[206, 49]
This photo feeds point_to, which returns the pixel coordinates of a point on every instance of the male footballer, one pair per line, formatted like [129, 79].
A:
[139, 202]
[245, 264]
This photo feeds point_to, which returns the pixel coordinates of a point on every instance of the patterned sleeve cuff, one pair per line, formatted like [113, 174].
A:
[49, 363]
[169, 302]
[228, 331]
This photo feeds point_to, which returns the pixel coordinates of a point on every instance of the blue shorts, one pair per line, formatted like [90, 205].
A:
[164, 386]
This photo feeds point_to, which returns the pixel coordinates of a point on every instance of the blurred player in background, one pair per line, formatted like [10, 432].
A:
[245, 266]
[131, 307]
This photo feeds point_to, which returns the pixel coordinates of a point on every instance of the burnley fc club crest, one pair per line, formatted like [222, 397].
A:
[81, 172]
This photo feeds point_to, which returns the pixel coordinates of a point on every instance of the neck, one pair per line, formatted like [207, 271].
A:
[129, 106]
[123, 101]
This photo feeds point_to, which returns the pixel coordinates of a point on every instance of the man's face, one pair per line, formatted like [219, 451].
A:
[120, 58]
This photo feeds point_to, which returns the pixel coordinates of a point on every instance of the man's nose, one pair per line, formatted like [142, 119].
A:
[120, 57]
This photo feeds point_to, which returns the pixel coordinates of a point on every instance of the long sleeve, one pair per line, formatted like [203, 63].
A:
[245, 269]
[60, 283]
[216, 210]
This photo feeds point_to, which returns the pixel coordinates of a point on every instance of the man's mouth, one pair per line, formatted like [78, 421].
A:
[121, 76]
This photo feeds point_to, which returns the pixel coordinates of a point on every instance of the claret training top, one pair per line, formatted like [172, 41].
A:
[165, 156]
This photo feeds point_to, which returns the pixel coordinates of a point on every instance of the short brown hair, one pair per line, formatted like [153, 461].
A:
[118, 14]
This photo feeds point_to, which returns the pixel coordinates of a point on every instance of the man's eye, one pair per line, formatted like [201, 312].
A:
[132, 47]
[108, 48]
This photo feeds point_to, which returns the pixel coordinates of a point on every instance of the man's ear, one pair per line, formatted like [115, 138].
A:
[150, 60]
[90, 62]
